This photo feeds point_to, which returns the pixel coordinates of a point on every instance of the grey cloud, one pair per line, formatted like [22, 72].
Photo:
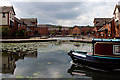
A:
[51, 12]
[67, 15]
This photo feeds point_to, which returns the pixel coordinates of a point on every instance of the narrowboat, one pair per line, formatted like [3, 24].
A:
[105, 54]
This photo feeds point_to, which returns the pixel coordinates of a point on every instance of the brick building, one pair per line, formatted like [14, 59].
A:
[77, 30]
[87, 30]
[81, 30]
[99, 23]
[31, 25]
[42, 29]
[117, 20]
[22, 26]
[60, 31]
[7, 14]
[7, 19]
[108, 30]
[65, 31]
[110, 27]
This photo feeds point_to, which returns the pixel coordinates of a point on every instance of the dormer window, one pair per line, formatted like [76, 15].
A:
[3, 14]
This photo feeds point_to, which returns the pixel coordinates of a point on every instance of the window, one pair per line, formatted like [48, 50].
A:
[116, 49]
[11, 24]
[4, 66]
[109, 24]
[18, 25]
[3, 14]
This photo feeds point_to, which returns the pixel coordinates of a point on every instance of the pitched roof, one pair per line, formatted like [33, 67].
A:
[117, 6]
[80, 27]
[7, 9]
[42, 25]
[101, 29]
[28, 29]
[15, 18]
[53, 29]
[101, 21]
[29, 21]
[96, 28]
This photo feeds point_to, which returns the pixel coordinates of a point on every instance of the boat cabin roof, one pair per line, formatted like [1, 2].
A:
[105, 40]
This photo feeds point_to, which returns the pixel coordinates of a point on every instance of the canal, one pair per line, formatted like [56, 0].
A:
[48, 60]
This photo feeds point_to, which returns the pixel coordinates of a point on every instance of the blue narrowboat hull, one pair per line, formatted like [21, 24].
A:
[95, 61]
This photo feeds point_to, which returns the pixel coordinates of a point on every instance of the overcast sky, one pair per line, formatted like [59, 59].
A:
[66, 13]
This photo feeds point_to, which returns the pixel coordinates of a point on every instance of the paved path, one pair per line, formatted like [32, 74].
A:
[25, 40]
[89, 40]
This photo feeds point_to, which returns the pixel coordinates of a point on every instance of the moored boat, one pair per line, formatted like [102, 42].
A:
[105, 55]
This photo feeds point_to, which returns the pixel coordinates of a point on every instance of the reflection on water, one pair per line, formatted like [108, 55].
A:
[8, 61]
[44, 60]
[76, 70]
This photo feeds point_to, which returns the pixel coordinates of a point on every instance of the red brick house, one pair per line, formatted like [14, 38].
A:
[53, 31]
[60, 31]
[42, 30]
[82, 30]
[77, 30]
[117, 20]
[108, 30]
[7, 14]
[7, 20]
[87, 30]
[99, 23]
[16, 24]
[31, 25]
[22, 26]
[65, 31]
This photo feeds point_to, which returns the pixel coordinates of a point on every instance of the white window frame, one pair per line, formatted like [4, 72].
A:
[114, 49]
[18, 25]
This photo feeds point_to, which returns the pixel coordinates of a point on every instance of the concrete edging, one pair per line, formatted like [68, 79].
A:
[25, 40]
[81, 40]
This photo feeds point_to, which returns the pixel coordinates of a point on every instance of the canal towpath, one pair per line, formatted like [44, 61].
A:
[25, 40]
[87, 40]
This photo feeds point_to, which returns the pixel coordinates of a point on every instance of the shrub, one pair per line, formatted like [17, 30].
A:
[20, 33]
[4, 30]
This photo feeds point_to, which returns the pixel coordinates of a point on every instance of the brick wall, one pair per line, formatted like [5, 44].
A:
[43, 30]
[76, 30]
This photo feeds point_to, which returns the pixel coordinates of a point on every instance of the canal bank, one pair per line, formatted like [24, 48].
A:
[25, 40]
[71, 39]
[88, 40]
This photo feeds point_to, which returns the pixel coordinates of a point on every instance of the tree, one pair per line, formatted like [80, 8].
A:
[60, 27]
[4, 30]
[52, 32]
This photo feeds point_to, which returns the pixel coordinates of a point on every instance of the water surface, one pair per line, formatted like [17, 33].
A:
[47, 60]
